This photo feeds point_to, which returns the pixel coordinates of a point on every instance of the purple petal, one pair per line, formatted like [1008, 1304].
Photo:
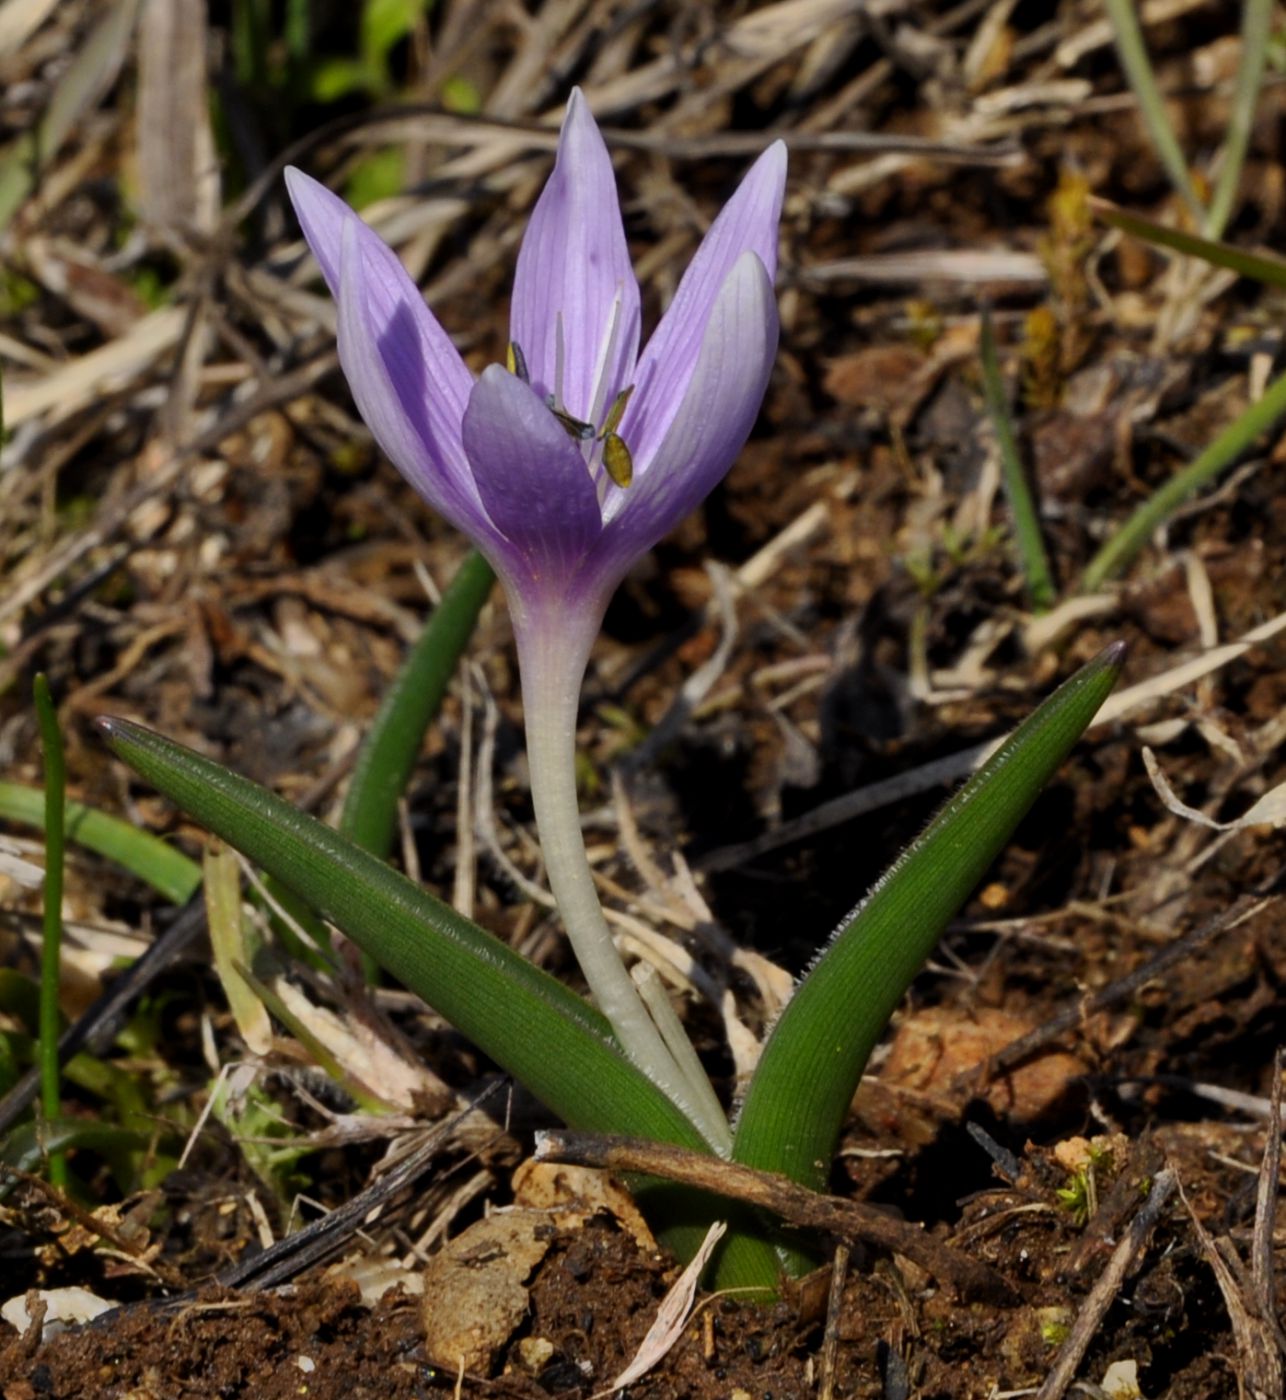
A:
[393, 368]
[747, 223]
[574, 261]
[714, 420]
[323, 217]
[533, 480]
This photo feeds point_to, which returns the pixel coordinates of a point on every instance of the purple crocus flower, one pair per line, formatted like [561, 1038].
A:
[489, 454]
[570, 462]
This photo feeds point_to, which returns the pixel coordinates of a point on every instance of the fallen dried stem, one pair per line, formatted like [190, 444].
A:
[850, 1220]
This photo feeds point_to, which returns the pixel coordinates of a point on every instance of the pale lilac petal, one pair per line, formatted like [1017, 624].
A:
[390, 370]
[723, 397]
[323, 216]
[574, 260]
[747, 223]
[533, 481]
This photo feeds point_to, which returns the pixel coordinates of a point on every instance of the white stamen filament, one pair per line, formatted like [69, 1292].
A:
[604, 393]
[606, 357]
[560, 352]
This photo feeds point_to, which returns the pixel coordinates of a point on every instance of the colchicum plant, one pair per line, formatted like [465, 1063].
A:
[565, 466]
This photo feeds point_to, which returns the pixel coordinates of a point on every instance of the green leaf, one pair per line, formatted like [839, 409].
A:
[333, 79]
[234, 941]
[1132, 51]
[27, 1147]
[392, 744]
[800, 1094]
[1235, 439]
[1031, 547]
[51, 742]
[1256, 26]
[385, 23]
[376, 176]
[548, 1038]
[387, 756]
[1261, 267]
[542, 1033]
[168, 871]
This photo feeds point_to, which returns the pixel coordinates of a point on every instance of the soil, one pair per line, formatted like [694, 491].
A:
[208, 542]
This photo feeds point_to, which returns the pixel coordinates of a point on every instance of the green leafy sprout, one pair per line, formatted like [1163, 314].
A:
[1210, 218]
[563, 1050]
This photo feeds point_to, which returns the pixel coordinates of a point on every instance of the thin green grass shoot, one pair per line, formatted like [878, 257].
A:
[1259, 266]
[158, 864]
[51, 946]
[1236, 439]
[1211, 217]
[1027, 535]
[1256, 26]
[388, 753]
[1137, 66]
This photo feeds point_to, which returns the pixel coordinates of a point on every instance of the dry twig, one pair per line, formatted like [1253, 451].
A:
[851, 1220]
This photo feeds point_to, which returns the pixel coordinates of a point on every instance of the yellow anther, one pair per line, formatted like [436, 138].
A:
[616, 412]
[516, 362]
[617, 461]
[575, 428]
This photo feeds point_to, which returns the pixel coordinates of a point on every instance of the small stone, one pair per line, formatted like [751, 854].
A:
[1121, 1381]
[534, 1354]
[474, 1298]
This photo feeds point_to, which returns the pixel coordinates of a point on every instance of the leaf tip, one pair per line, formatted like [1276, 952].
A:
[110, 728]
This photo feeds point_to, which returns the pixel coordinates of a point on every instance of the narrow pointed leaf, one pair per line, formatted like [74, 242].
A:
[362, 1094]
[1238, 437]
[1131, 49]
[800, 1094]
[389, 751]
[1261, 267]
[234, 941]
[1031, 546]
[169, 872]
[546, 1036]
[1256, 40]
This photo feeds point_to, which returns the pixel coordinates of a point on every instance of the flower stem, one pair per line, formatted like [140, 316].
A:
[551, 691]
[648, 980]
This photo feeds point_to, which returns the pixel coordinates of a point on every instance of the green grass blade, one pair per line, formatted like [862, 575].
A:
[27, 1146]
[362, 1095]
[1262, 267]
[234, 941]
[51, 741]
[547, 1037]
[91, 72]
[1256, 25]
[800, 1094]
[1031, 547]
[158, 864]
[1133, 53]
[1226, 448]
[389, 751]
